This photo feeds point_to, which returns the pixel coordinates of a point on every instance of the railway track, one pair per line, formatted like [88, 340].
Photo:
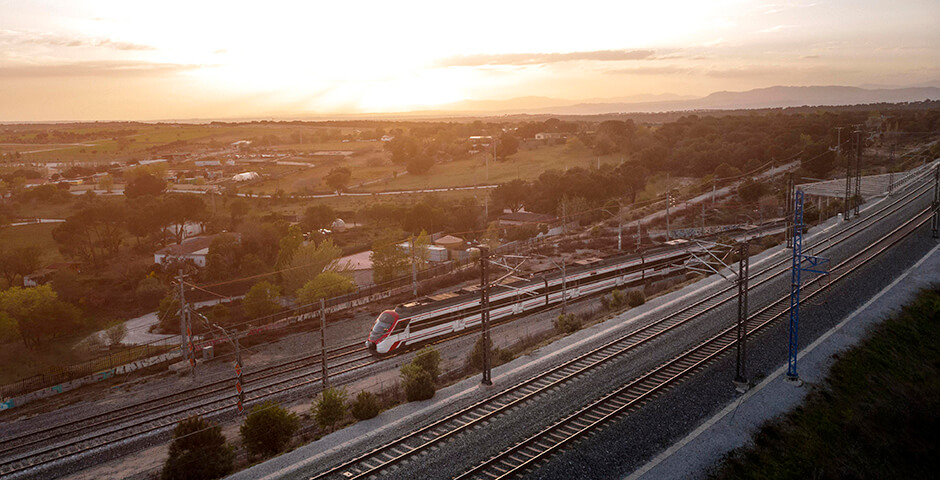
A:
[376, 461]
[528, 453]
[38, 448]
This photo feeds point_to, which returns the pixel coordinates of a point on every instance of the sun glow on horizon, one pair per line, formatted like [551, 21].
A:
[123, 59]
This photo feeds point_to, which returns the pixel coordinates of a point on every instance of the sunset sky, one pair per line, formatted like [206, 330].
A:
[134, 60]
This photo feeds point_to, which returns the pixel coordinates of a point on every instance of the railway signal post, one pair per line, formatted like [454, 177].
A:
[795, 270]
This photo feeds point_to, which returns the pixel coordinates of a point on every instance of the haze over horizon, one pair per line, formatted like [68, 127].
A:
[111, 60]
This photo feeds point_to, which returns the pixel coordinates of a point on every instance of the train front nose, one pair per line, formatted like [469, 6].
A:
[373, 348]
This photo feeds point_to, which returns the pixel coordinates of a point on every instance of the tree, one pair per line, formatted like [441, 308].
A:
[309, 261]
[199, 451]
[19, 261]
[317, 217]
[38, 313]
[420, 164]
[388, 259]
[238, 209]
[142, 220]
[268, 429]
[260, 299]
[92, 233]
[750, 191]
[511, 195]
[325, 285]
[144, 184]
[330, 407]
[178, 210]
[106, 183]
[116, 333]
[365, 406]
[422, 252]
[508, 145]
[338, 178]
[288, 245]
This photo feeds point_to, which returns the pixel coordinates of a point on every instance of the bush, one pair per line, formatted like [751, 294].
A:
[330, 407]
[260, 300]
[417, 382]
[268, 429]
[615, 302]
[198, 451]
[476, 356]
[429, 360]
[366, 406]
[150, 290]
[569, 323]
[636, 298]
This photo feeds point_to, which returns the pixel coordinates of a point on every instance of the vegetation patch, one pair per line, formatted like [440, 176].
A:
[875, 416]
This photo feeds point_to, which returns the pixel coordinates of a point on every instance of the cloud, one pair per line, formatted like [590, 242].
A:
[776, 28]
[656, 70]
[14, 37]
[737, 72]
[544, 58]
[94, 69]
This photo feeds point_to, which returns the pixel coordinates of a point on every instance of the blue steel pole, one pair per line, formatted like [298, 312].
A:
[795, 283]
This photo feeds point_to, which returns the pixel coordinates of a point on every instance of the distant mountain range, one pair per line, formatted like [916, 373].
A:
[771, 97]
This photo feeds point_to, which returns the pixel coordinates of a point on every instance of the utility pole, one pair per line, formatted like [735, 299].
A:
[619, 226]
[668, 201]
[743, 267]
[935, 223]
[414, 270]
[324, 373]
[239, 382]
[857, 198]
[703, 218]
[848, 175]
[789, 214]
[639, 235]
[186, 341]
[485, 316]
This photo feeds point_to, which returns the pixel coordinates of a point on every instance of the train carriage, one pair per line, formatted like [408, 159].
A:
[417, 323]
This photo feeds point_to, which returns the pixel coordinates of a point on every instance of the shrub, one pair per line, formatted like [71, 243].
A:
[198, 451]
[150, 290]
[476, 356]
[569, 323]
[417, 382]
[330, 407]
[260, 299]
[366, 406]
[268, 429]
[636, 298]
[429, 360]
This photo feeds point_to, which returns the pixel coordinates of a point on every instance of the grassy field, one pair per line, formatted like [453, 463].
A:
[875, 417]
[33, 235]
[526, 165]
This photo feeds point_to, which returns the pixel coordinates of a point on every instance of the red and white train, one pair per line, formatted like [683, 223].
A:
[420, 322]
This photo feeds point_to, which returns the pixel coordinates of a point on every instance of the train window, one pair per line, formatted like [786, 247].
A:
[382, 324]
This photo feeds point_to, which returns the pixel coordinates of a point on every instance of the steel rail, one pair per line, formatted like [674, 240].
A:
[527, 453]
[309, 381]
[419, 440]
